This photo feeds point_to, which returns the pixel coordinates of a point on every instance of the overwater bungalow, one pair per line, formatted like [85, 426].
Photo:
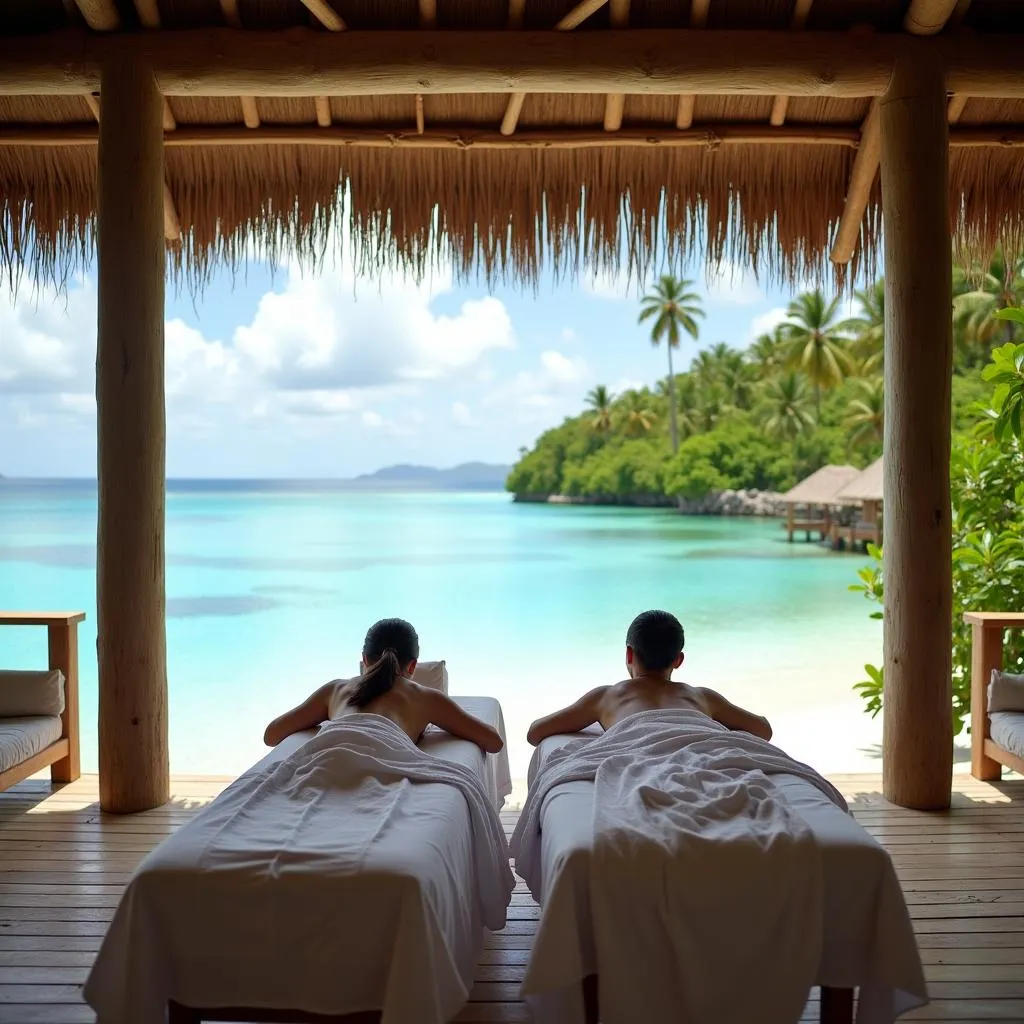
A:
[864, 491]
[810, 504]
[501, 137]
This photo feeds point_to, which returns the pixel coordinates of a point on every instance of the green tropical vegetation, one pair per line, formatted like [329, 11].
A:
[762, 416]
[987, 495]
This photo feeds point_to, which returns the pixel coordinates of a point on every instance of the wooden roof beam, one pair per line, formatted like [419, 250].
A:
[684, 109]
[100, 15]
[455, 137]
[923, 17]
[927, 17]
[310, 63]
[250, 112]
[780, 105]
[148, 12]
[323, 111]
[615, 102]
[957, 102]
[583, 10]
[172, 224]
[325, 14]
[229, 8]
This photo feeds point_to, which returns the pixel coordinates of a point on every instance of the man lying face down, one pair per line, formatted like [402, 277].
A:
[390, 652]
[654, 650]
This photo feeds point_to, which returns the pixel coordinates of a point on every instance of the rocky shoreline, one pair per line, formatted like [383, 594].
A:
[718, 503]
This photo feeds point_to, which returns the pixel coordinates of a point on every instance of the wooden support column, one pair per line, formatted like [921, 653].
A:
[62, 646]
[131, 643]
[917, 740]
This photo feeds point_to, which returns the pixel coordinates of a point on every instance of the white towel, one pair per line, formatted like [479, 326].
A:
[321, 882]
[701, 877]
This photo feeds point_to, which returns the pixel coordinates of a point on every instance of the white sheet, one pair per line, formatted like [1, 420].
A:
[867, 940]
[356, 872]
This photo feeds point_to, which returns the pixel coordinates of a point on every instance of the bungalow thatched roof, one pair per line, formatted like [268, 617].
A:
[477, 175]
[866, 486]
[821, 487]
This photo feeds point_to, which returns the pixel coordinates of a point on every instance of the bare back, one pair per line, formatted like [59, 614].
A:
[407, 704]
[633, 695]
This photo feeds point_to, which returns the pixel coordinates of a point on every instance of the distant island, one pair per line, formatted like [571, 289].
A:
[468, 476]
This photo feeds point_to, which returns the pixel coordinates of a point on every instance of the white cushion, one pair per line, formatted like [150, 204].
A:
[431, 674]
[1007, 729]
[31, 693]
[1005, 692]
[20, 738]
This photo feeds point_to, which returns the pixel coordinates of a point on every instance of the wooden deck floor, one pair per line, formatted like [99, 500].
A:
[63, 865]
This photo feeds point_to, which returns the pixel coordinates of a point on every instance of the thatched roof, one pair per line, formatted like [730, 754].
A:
[866, 486]
[581, 180]
[821, 487]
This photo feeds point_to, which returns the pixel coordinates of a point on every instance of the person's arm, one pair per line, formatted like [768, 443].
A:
[586, 711]
[446, 714]
[308, 715]
[735, 718]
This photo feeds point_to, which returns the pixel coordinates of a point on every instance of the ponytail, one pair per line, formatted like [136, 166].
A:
[376, 680]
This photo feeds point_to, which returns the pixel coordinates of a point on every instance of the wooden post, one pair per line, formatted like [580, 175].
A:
[917, 760]
[62, 642]
[131, 643]
[789, 522]
[986, 655]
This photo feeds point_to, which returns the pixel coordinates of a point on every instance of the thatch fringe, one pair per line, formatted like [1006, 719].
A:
[495, 216]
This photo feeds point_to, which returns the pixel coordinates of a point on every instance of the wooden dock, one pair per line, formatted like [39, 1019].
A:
[63, 865]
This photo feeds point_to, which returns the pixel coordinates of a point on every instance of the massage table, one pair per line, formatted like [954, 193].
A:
[868, 938]
[411, 909]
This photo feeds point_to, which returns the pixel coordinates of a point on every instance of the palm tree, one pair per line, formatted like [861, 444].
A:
[787, 406]
[767, 353]
[974, 308]
[600, 401]
[865, 417]
[637, 412]
[868, 328]
[674, 307]
[816, 344]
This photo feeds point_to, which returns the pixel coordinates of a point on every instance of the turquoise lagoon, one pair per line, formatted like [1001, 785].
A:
[271, 585]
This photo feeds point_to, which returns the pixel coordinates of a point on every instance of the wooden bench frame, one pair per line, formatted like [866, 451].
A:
[988, 758]
[62, 756]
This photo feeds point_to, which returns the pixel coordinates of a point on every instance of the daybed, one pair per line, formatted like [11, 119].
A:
[319, 887]
[997, 698]
[39, 709]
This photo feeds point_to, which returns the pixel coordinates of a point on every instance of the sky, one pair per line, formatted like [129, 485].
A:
[284, 373]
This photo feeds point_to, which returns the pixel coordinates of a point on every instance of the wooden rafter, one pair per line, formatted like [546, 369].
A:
[323, 111]
[428, 14]
[684, 110]
[148, 12]
[926, 17]
[780, 105]
[229, 8]
[421, 125]
[923, 17]
[325, 14]
[957, 102]
[583, 10]
[615, 102]
[303, 62]
[172, 224]
[100, 15]
[250, 112]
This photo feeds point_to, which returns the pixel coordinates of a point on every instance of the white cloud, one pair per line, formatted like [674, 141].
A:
[626, 384]
[765, 323]
[735, 284]
[372, 419]
[461, 414]
[316, 333]
[557, 384]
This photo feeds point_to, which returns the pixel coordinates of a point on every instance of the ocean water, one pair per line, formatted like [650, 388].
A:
[271, 586]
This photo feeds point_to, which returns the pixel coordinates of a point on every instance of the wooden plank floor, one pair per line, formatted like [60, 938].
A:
[63, 866]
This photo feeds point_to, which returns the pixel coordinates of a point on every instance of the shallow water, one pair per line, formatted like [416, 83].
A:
[270, 588]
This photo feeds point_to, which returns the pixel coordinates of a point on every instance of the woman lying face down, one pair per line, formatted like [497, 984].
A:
[390, 652]
[654, 650]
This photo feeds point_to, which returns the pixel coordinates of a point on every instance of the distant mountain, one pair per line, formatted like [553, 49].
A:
[470, 476]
